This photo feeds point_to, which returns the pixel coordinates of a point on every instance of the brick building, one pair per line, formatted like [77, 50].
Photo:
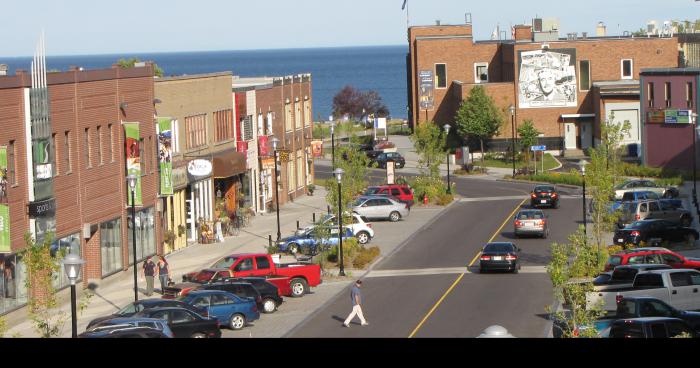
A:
[566, 86]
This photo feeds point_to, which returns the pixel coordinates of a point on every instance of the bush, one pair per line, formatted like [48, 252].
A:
[365, 257]
[427, 186]
[556, 178]
[444, 199]
[350, 250]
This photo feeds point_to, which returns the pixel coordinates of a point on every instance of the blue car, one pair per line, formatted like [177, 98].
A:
[310, 243]
[225, 307]
[633, 196]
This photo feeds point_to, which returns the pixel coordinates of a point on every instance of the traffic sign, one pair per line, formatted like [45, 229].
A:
[538, 148]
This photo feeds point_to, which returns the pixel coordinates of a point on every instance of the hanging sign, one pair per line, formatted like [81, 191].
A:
[133, 160]
[199, 167]
[4, 204]
[165, 155]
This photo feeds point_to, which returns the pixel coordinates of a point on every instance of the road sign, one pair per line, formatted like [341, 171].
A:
[538, 148]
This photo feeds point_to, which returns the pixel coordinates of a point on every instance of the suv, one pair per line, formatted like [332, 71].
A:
[269, 293]
[402, 192]
[654, 209]
[238, 288]
[634, 196]
[383, 157]
[360, 226]
[651, 255]
[544, 195]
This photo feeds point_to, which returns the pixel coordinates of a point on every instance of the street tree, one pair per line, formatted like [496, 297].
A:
[130, 62]
[355, 165]
[478, 117]
[429, 142]
[528, 137]
[357, 104]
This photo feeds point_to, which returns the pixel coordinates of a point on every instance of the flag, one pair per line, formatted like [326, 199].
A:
[404, 5]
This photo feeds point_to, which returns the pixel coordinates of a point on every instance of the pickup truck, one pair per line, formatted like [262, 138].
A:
[641, 307]
[209, 276]
[302, 275]
[623, 276]
[679, 288]
[650, 327]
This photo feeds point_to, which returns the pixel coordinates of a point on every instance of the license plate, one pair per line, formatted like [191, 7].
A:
[620, 240]
[543, 201]
[497, 258]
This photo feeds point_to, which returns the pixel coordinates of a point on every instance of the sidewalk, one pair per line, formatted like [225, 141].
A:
[117, 291]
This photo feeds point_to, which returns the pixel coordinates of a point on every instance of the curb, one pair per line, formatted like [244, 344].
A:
[568, 186]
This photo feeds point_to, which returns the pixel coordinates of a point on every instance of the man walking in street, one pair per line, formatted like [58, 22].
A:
[149, 271]
[356, 297]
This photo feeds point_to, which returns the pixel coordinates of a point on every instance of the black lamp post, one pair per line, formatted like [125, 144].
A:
[333, 143]
[339, 176]
[511, 109]
[72, 264]
[277, 194]
[447, 131]
[582, 165]
[131, 180]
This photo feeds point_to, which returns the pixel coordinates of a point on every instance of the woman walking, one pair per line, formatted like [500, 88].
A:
[163, 273]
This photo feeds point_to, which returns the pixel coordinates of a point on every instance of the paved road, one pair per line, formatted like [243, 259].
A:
[402, 293]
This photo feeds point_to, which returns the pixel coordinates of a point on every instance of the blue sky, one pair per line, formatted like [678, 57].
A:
[99, 27]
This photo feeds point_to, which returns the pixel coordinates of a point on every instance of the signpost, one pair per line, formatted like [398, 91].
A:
[535, 149]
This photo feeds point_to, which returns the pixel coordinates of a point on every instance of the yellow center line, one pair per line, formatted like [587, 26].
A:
[413, 333]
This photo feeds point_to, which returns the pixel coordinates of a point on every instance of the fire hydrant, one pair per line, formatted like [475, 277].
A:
[425, 199]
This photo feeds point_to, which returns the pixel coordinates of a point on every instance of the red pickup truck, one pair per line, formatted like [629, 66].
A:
[301, 275]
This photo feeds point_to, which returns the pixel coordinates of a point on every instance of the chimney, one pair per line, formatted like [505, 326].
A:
[3, 69]
[600, 30]
[584, 35]
[523, 33]
[437, 22]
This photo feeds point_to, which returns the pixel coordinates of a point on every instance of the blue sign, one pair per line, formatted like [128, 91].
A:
[538, 148]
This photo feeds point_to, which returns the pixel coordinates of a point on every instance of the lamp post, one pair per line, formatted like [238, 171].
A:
[511, 109]
[275, 141]
[131, 180]
[333, 143]
[72, 264]
[447, 131]
[339, 176]
[582, 165]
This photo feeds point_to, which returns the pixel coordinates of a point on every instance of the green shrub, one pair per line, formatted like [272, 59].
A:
[365, 257]
[444, 199]
[427, 186]
[676, 181]
[556, 178]
[350, 250]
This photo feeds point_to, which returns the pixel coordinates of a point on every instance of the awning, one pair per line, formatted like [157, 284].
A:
[227, 164]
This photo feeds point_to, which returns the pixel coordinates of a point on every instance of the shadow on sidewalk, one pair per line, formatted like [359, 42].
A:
[93, 288]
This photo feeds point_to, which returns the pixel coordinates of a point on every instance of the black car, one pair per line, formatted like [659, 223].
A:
[544, 195]
[124, 333]
[650, 327]
[238, 288]
[500, 256]
[383, 157]
[184, 322]
[141, 305]
[653, 231]
[269, 293]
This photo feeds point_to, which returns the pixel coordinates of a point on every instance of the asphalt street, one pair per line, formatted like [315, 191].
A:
[425, 289]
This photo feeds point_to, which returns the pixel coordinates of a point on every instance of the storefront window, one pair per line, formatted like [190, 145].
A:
[13, 291]
[59, 249]
[245, 189]
[111, 246]
[145, 235]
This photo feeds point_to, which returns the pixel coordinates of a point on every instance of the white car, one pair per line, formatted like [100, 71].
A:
[380, 207]
[645, 185]
[361, 229]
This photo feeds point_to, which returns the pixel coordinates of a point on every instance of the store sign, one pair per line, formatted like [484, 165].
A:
[179, 178]
[262, 145]
[133, 159]
[199, 168]
[656, 116]
[165, 155]
[317, 148]
[426, 85]
[4, 204]
[675, 116]
[42, 208]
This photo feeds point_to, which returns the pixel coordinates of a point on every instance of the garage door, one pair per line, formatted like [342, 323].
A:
[633, 136]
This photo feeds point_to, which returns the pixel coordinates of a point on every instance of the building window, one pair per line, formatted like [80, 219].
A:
[86, 144]
[269, 123]
[176, 136]
[261, 126]
[626, 67]
[440, 75]
[650, 94]
[152, 149]
[110, 150]
[11, 164]
[145, 235]
[111, 246]
[689, 94]
[297, 115]
[196, 131]
[307, 111]
[67, 151]
[99, 144]
[667, 93]
[288, 117]
[13, 276]
[584, 69]
[300, 169]
[248, 128]
[55, 154]
[223, 122]
[481, 72]
[290, 174]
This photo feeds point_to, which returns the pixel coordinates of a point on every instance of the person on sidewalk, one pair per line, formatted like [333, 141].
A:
[163, 276]
[356, 298]
[149, 271]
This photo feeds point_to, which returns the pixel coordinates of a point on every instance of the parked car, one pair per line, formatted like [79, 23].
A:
[648, 185]
[157, 324]
[226, 308]
[643, 306]
[623, 276]
[203, 277]
[124, 333]
[650, 327]
[360, 226]
[499, 256]
[238, 288]
[544, 195]
[184, 322]
[653, 209]
[402, 192]
[530, 222]
[654, 232]
[312, 241]
[637, 195]
[655, 255]
[383, 157]
[379, 207]
[138, 306]
[675, 287]
[271, 296]
[301, 275]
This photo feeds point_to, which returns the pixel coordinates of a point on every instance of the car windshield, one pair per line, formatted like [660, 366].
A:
[544, 188]
[498, 248]
[371, 190]
[130, 309]
[203, 276]
[358, 202]
[636, 225]
[629, 206]
[615, 260]
[225, 262]
[530, 215]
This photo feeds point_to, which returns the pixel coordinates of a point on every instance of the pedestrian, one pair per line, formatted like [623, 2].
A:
[149, 271]
[356, 298]
[163, 273]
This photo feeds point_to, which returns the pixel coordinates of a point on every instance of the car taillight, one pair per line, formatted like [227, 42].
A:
[534, 195]
[539, 222]
[518, 223]
[511, 257]
[554, 195]
[485, 258]
[636, 217]
[635, 233]
[618, 298]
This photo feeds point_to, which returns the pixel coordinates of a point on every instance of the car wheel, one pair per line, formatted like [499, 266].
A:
[198, 336]
[237, 321]
[363, 237]
[394, 216]
[293, 248]
[269, 306]
[299, 287]
[685, 221]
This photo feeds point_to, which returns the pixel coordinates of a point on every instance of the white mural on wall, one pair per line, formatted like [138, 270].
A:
[547, 79]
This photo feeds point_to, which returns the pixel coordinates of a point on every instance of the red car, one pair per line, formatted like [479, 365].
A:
[402, 192]
[651, 256]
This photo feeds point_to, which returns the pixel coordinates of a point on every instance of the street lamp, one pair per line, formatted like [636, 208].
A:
[333, 142]
[131, 180]
[582, 164]
[339, 176]
[72, 264]
[511, 109]
[275, 141]
[447, 131]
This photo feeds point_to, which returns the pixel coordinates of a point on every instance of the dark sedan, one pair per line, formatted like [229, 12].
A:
[499, 256]
[544, 195]
[383, 157]
[184, 322]
[269, 292]
[141, 305]
[652, 231]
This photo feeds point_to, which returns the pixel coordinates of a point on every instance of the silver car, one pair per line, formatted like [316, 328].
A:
[380, 207]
